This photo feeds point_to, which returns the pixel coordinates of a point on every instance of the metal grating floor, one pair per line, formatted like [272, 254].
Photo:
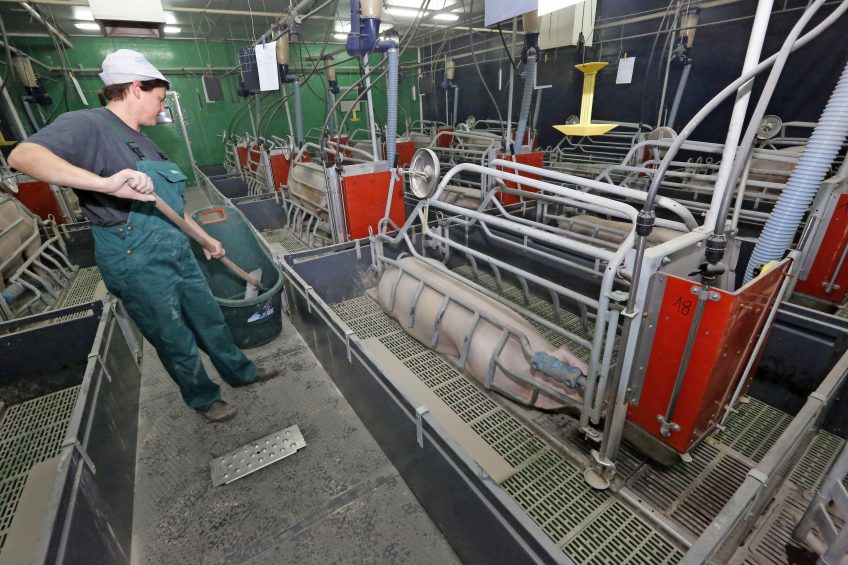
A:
[548, 487]
[30, 432]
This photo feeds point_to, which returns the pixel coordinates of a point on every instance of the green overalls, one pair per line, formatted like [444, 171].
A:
[148, 264]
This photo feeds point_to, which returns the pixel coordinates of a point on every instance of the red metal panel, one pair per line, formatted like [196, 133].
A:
[365, 202]
[534, 159]
[280, 167]
[444, 140]
[241, 151]
[831, 248]
[405, 151]
[40, 200]
[726, 337]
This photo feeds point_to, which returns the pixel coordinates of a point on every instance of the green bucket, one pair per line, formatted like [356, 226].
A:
[254, 321]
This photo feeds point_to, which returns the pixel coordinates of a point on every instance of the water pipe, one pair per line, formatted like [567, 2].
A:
[363, 40]
[682, 50]
[285, 77]
[449, 84]
[332, 90]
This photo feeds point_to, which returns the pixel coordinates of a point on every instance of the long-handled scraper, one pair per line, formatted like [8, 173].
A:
[253, 282]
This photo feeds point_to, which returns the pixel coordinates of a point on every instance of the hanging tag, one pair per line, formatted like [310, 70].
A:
[266, 65]
[625, 70]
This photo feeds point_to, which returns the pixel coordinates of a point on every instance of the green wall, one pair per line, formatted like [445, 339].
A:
[206, 121]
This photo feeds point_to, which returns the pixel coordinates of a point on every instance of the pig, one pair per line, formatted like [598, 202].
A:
[456, 323]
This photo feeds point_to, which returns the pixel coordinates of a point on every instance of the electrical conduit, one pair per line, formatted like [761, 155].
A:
[818, 155]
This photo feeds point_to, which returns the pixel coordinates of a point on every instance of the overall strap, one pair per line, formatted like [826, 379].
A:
[132, 145]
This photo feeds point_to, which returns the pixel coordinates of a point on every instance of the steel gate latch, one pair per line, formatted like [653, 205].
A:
[419, 424]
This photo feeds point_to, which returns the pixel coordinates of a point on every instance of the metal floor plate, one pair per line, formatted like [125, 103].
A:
[256, 455]
[691, 494]
[30, 432]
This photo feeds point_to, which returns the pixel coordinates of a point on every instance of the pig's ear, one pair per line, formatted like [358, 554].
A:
[567, 356]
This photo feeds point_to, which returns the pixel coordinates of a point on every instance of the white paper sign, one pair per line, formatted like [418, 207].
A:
[266, 65]
[625, 70]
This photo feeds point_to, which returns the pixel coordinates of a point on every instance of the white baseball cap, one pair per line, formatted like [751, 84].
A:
[126, 65]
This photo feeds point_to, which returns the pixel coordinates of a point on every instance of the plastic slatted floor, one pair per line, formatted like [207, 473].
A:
[30, 432]
[773, 534]
[589, 525]
[592, 526]
[286, 239]
[81, 291]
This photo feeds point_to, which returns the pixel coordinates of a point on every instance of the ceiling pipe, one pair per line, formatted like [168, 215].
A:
[248, 13]
[50, 27]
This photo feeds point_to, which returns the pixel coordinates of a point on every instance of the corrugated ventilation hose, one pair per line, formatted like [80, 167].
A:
[392, 101]
[524, 115]
[801, 188]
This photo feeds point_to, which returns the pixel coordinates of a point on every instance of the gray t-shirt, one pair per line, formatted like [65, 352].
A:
[83, 139]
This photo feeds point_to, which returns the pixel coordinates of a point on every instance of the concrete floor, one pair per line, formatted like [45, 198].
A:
[339, 500]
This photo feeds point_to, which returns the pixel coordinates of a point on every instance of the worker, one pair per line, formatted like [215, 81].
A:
[144, 259]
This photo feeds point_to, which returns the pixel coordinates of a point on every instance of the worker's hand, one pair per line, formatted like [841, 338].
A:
[130, 184]
[217, 251]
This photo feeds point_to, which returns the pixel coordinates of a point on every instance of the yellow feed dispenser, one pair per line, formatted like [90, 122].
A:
[585, 127]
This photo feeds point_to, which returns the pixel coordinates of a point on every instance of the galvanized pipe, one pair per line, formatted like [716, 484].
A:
[367, 72]
[601, 472]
